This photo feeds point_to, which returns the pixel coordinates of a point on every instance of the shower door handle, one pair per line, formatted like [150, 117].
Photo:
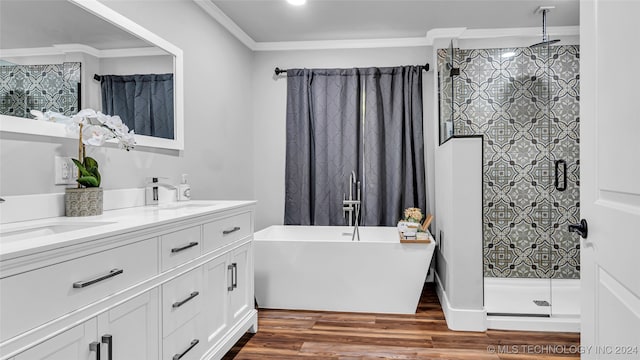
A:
[581, 229]
[556, 183]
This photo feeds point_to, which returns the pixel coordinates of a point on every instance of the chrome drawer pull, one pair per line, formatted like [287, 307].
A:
[179, 356]
[189, 245]
[112, 273]
[227, 232]
[108, 339]
[234, 282]
[95, 347]
[230, 268]
[180, 303]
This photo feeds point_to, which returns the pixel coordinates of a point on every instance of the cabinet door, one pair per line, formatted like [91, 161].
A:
[73, 344]
[217, 278]
[241, 297]
[134, 328]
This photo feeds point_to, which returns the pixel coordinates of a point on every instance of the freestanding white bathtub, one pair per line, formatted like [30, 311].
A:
[320, 268]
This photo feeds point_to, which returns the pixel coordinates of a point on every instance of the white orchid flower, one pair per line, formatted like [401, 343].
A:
[51, 116]
[57, 118]
[127, 141]
[84, 116]
[115, 122]
[97, 127]
[38, 115]
[95, 135]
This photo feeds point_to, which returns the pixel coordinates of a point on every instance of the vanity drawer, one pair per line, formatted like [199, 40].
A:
[181, 300]
[36, 297]
[180, 246]
[226, 230]
[186, 343]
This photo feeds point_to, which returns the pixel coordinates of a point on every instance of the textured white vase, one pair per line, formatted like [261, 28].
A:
[83, 201]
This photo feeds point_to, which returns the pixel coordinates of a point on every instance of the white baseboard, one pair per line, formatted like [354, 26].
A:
[524, 323]
[460, 319]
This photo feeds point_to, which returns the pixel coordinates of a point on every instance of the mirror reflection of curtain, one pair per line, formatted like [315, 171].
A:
[330, 133]
[143, 102]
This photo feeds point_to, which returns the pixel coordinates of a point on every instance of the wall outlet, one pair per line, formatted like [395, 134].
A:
[66, 172]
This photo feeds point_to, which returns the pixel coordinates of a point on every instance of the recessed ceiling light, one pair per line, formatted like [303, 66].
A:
[508, 54]
[297, 2]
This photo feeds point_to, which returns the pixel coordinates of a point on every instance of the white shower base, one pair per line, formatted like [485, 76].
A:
[320, 268]
[516, 296]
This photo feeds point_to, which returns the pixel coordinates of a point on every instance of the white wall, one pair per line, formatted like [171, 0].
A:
[459, 223]
[269, 111]
[218, 125]
[157, 64]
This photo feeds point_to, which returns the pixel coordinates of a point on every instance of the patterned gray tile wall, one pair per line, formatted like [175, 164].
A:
[51, 87]
[527, 107]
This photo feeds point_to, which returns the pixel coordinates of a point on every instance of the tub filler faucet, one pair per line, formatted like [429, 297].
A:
[351, 205]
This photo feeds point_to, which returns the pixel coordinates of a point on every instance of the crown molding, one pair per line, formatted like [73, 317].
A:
[63, 49]
[222, 18]
[340, 44]
[432, 35]
[519, 32]
[444, 33]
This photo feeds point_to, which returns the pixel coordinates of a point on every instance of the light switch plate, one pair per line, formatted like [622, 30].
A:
[66, 171]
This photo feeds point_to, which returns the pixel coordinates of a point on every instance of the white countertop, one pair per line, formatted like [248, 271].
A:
[110, 223]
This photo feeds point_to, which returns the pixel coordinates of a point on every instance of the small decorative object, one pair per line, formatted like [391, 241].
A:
[93, 128]
[411, 223]
[413, 215]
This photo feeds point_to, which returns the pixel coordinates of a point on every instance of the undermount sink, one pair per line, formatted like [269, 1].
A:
[46, 229]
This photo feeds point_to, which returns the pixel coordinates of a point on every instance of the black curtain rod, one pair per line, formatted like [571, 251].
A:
[279, 71]
[97, 77]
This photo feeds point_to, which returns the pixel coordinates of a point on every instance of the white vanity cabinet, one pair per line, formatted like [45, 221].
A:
[241, 299]
[229, 292]
[127, 331]
[228, 278]
[180, 289]
[72, 344]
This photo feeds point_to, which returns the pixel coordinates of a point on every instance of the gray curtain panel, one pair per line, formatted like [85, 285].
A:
[322, 143]
[393, 146]
[326, 142]
[143, 102]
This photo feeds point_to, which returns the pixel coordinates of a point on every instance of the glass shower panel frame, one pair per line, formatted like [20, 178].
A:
[525, 103]
[511, 90]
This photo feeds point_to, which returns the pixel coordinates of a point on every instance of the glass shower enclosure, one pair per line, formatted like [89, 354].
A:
[525, 103]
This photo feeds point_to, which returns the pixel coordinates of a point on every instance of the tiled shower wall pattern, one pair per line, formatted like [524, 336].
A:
[52, 87]
[527, 108]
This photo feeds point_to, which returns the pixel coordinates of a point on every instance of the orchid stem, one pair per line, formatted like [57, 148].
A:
[80, 152]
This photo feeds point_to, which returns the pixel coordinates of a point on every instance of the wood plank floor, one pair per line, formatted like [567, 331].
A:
[287, 334]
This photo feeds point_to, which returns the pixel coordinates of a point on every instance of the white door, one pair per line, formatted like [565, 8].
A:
[73, 344]
[133, 327]
[610, 174]
[217, 280]
[241, 296]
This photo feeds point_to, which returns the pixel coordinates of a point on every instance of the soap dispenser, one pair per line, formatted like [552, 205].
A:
[184, 189]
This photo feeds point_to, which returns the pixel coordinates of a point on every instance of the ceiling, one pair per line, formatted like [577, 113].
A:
[42, 23]
[276, 20]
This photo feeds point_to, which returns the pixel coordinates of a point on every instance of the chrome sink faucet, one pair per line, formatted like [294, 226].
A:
[151, 195]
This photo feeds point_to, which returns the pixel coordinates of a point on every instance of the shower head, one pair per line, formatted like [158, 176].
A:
[545, 37]
[542, 43]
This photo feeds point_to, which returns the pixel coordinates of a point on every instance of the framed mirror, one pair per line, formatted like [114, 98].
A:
[59, 59]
